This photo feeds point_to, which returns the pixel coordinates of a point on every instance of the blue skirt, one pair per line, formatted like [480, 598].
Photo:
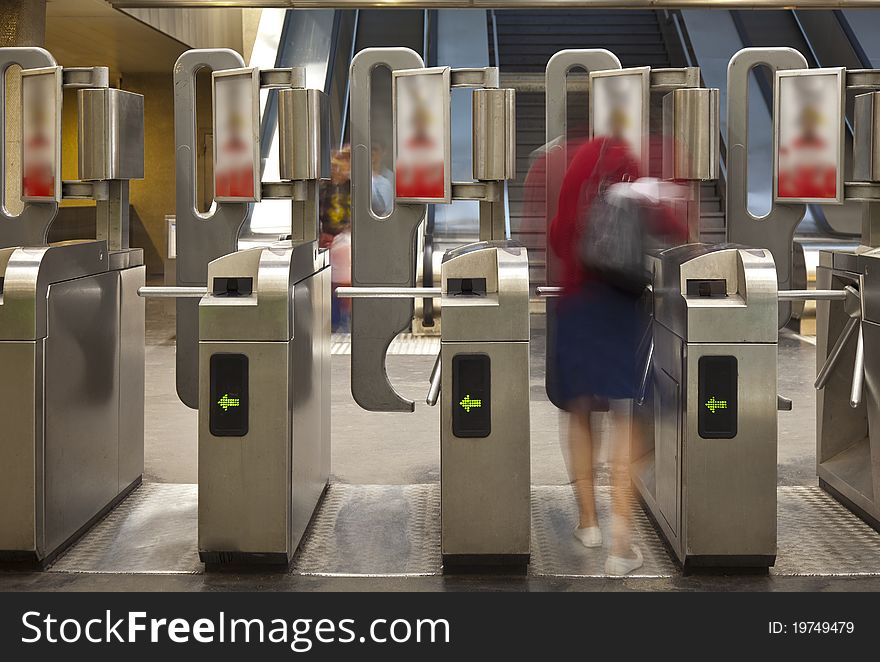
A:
[597, 335]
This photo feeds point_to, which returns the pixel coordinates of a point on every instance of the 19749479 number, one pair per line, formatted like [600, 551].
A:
[812, 627]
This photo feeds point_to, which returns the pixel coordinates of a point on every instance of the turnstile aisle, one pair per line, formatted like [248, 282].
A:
[253, 356]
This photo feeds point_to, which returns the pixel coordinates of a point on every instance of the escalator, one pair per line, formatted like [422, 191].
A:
[521, 43]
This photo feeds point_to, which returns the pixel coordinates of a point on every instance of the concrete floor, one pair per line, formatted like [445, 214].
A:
[372, 448]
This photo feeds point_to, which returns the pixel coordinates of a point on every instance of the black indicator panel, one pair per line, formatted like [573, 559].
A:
[471, 395]
[232, 287]
[229, 395]
[718, 377]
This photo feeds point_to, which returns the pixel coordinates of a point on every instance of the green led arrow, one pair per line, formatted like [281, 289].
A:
[226, 402]
[712, 404]
[469, 403]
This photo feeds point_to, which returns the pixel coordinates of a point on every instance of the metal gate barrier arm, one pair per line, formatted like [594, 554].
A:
[383, 248]
[775, 230]
[201, 237]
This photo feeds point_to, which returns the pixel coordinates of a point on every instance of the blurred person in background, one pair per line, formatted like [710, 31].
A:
[340, 276]
[336, 231]
[382, 191]
[598, 327]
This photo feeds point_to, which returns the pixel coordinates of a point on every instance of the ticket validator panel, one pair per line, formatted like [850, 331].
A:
[718, 383]
[229, 395]
[471, 395]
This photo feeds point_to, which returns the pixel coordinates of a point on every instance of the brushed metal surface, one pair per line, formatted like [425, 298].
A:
[111, 134]
[494, 134]
[265, 314]
[775, 229]
[383, 250]
[201, 237]
[28, 275]
[245, 482]
[258, 492]
[729, 485]
[501, 315]
[866, 138]
[131, 375]
[75, 410]
[21, 450]
[485, 482]
[311, 401]
[304, 137]
[691, 128]
[847, 434]
[82, 404]
[741, 316]
[712, 498]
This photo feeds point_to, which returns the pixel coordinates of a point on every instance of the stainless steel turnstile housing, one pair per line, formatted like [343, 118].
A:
[71, 393]
[484, 420]
[264, 401]
[707, 474]
[848, 416]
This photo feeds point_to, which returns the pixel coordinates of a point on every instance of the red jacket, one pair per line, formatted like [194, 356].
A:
[617, 164]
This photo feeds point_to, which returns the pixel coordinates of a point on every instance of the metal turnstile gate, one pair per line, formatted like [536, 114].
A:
[707, 475]
[71, 321]
[264, 401]
[485, 468]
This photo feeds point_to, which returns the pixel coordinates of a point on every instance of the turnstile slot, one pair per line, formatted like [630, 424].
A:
[232, 287]
[714, 288]
[718, 377]
[471, 395]
[229, 395]
[466, 287]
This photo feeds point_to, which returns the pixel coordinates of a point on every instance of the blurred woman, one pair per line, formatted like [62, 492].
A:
[597, 331]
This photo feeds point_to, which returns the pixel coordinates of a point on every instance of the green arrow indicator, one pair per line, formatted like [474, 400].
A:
[712, 404]
[469, 403]
[226, 402]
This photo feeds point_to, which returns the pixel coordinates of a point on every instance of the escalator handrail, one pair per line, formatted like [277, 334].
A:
[344, 119]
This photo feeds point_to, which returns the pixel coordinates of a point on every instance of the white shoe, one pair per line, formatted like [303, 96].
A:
[619, 566]
[589, 536]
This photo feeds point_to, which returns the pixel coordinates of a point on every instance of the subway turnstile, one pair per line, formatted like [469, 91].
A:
[707, 475]
[72, 402]
[71, 321]
[261, 378]
[482, 373]
[264, 401]
[847, 344]
[484, 418]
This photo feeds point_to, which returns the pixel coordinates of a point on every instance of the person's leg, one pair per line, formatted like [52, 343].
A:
[624, 557]
[620, 482]
[580, 461]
